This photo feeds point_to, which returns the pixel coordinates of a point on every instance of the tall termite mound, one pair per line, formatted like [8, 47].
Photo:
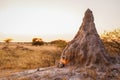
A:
[86, 48]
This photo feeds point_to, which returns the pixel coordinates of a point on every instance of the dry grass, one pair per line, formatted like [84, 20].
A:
[26, 78]
[28, 57]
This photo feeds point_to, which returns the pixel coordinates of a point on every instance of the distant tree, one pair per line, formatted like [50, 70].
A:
[8, 40]
[37, 41]
[112, 41]
[59, 43]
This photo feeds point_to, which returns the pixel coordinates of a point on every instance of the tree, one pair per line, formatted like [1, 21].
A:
[37, 41]
[7, 41]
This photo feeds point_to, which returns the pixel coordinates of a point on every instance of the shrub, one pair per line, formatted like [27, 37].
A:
[59, 43]
[37, 42]
[112, 41]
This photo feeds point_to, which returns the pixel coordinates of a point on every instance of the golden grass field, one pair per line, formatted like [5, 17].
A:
[17, 57]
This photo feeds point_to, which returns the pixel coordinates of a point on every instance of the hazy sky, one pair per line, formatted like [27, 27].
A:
[54, 19]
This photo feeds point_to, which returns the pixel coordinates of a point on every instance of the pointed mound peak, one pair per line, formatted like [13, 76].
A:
[88, 26]
[88, 16]
[88, 11]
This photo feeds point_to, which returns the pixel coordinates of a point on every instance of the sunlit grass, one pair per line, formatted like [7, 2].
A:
[29, 58]
[25, 59]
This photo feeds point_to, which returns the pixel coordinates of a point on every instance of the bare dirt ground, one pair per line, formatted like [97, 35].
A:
[67, 73]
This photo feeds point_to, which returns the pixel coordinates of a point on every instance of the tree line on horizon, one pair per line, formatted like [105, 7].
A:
[110, 39]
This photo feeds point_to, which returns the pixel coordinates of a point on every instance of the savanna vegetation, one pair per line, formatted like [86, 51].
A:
[28, 55]
[59, 43]
[37, 42]
[22, 56]
[112, 41]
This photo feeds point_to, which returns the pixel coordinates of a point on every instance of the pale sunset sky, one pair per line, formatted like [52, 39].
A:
[23, 20]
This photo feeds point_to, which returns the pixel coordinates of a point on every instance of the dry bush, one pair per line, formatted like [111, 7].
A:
[112, 44]
[59, 43]
[112, 41]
